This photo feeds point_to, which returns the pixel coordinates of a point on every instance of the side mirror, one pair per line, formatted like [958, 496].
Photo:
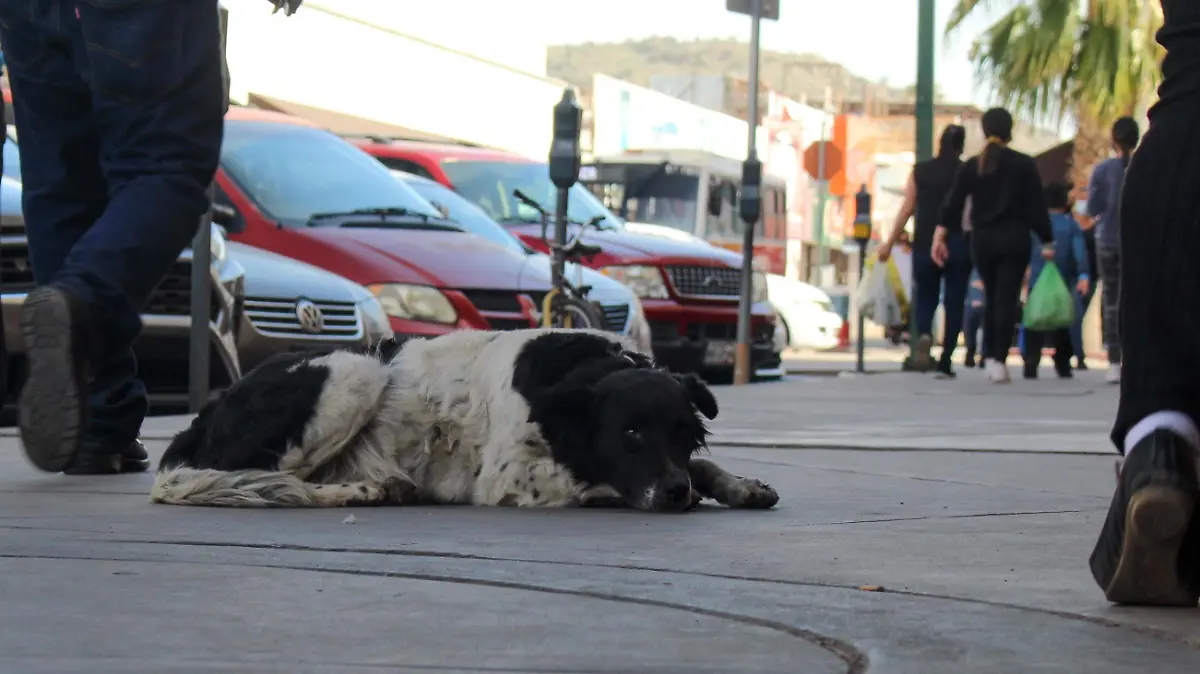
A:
[716, 198]
[227, 217]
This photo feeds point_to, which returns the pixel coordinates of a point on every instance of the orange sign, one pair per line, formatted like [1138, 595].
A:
[833, 160]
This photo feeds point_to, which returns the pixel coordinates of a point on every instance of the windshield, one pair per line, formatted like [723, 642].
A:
[490, 185]
[292, 172]
[464, 213]
[12, 160]
[666, 200]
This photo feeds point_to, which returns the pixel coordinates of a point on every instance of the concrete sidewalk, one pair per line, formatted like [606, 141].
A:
[881, 557]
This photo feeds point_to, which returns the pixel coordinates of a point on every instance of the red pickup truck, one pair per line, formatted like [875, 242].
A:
[689, 289]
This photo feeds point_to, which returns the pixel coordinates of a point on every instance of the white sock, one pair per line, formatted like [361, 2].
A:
[1169, 420]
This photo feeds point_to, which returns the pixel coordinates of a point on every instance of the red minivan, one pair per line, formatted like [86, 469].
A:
[689, 289]
[289, 186]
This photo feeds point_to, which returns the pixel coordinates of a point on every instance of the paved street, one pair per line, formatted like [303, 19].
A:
[924, 527]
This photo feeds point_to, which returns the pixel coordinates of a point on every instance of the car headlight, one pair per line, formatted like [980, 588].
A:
[758, 291]
[414, 303]
[216, 244]
[375, 320]
[645, 281]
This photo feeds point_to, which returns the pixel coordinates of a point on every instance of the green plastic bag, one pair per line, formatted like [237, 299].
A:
[1050, 305]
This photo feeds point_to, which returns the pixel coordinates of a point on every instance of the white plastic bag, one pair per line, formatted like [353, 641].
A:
[877, 301]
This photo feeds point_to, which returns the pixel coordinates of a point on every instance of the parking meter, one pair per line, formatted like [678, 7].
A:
[862, 234]
[564, 152]
[750, 209]
[750, 203]
[565, 162]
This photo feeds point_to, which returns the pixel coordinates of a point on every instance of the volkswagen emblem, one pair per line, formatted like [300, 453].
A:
[309, 315]
[711, 283]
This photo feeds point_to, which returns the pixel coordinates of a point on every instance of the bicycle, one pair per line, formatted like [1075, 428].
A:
[566, 305]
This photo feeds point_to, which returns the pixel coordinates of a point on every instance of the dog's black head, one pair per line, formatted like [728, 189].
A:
[633, 429]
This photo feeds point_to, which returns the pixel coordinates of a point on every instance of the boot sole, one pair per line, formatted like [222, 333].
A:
[1147, 574]
[922, 359]
[50, 409]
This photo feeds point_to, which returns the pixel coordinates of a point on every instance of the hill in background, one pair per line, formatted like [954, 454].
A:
[797, 76]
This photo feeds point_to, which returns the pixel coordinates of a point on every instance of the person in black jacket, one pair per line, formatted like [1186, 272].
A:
[1007, 203]
[1148, 552]
[923, 197]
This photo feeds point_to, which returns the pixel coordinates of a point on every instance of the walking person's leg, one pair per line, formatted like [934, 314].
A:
[1010, 272]
[987, 261]
[1148, 551]
[1110, 275]
[1031, 352]
[928, 277]
[974, 319]
[1063, 351]
[153, 120]
[957, 275]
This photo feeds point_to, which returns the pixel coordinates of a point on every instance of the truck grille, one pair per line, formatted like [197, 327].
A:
[282, 318]
[759, 334]
[706, 281]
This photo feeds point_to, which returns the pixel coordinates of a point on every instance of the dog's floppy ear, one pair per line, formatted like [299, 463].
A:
[699, 394]
[563, 410]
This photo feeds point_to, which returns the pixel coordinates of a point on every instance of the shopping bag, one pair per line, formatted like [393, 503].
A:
[878, 301]
[1050, 305]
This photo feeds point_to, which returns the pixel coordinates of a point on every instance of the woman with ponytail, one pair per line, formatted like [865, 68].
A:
[1007, 203]
[923, 197]
[1104, 191]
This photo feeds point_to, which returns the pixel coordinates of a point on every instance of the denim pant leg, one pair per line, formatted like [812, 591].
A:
[927, 277]
[119, 115]
[957, 275]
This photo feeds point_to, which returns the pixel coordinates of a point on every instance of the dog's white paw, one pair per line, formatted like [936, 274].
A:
[751, 494]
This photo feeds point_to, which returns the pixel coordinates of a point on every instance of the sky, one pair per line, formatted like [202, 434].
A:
[882, 44]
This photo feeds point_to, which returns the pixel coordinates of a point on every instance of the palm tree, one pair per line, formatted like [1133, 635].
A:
[1096, 59]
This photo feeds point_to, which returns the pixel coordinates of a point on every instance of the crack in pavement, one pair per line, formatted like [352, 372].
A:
[275, 664]
[856, 661]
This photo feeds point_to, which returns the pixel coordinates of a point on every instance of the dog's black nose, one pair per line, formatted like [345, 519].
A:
[678, 492]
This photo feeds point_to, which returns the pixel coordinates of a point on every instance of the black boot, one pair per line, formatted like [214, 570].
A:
[95, 460]
[1148, 553]
[53, 405]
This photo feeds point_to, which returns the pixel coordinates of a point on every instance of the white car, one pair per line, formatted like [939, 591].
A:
[807, 318]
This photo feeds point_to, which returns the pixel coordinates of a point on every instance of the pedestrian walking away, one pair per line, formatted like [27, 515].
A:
[973, 322]
[120, 109]
[1006, 205]
[1148, 551]
[1089, 241]
[1070, 256]
[924, 195]
[1104, 204]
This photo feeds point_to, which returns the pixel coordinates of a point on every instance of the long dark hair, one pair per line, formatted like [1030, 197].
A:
[1125, 135]
[954, 140]
[997, 126]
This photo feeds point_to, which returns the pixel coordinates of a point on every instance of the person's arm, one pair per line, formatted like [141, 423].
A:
[1039, 213]
[951, 215]
[1097, 200]
[884, 251]
[1079, 250]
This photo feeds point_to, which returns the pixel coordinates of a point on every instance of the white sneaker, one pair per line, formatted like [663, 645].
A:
[1113, 376]
[997, 372]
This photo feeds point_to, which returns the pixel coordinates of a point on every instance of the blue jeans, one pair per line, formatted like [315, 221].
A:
[929, 278]
[119, 110]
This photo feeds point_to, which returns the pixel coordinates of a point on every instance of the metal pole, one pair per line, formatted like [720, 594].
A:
[860, 366]
[741, 363]
[557, 259]
[198, 340]
[822, 196]
[926, 29]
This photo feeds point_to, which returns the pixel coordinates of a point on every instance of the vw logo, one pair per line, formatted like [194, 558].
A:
[310, 317]
[712, 282]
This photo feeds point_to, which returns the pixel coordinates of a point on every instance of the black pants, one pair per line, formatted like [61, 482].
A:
[930, 291]
[971, 327]
[1001, 256]
[1158, 323]
[1059, 339]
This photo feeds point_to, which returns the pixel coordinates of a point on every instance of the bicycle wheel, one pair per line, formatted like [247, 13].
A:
[575, 313]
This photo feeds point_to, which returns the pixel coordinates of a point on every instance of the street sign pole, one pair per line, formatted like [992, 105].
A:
[926, 29]
[750, 193]
[862, 235]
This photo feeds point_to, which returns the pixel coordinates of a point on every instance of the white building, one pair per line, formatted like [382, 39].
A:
[349, 57]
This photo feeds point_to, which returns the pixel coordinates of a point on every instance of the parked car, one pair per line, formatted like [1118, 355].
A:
[292, 306]
[290, 187]
[808, 319]
[622, 311]
[689, 291]
[162, 348]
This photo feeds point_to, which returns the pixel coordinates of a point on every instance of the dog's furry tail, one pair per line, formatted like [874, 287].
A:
[239, 489]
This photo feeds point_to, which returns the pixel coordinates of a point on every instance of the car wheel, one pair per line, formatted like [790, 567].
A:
[787, 334]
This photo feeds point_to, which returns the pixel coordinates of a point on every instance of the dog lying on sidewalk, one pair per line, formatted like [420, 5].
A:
[534, 418]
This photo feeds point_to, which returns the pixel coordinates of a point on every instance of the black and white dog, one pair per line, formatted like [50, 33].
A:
[537, 418]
